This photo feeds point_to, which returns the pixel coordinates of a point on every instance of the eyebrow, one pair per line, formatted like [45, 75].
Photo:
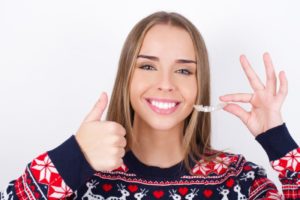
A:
[157, 59]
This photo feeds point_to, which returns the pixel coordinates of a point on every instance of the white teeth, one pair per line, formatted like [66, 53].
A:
[161, 105]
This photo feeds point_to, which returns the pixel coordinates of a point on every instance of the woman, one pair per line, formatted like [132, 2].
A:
[153, 144]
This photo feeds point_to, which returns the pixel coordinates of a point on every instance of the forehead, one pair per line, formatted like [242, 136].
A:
[168, 41]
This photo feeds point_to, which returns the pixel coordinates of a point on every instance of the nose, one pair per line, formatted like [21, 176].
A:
[166, 83]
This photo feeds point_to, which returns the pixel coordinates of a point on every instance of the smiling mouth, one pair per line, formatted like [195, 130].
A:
[163, 106]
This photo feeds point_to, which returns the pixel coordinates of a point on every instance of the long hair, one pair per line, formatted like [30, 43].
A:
[197, 126]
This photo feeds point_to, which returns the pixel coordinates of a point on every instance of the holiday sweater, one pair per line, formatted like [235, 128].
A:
[64, 173]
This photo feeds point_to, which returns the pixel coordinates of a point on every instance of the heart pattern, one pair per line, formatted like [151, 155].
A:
[106, 187]
[230, 182]
[132, 188]
[42, 179]
[158, 194]
[183, 190]
[207, 193]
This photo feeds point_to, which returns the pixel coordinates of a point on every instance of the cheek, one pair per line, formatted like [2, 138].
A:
[139, 85]
[189, 91]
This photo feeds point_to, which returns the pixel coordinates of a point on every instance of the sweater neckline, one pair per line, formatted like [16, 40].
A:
[141, 169]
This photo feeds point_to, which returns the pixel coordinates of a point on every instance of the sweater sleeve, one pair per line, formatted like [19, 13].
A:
[284, 157]
[55, 174]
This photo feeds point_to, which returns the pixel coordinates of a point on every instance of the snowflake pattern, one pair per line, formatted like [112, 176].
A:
[221, 164]
[201, 168]
[218, 166]
[45, 168]
[42, 180]
[45, 172]
[290, 161]
[60, 192]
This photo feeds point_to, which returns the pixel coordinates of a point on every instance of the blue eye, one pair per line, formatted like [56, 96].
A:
[185, 72]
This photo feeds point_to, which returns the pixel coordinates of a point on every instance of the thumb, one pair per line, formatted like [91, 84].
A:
[98, 109]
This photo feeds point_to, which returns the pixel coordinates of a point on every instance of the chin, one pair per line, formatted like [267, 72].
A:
[163, 125]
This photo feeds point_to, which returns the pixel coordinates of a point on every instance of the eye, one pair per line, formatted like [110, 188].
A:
[185, 72]
[146, 67]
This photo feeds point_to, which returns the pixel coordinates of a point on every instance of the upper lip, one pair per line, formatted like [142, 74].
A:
[163, 100]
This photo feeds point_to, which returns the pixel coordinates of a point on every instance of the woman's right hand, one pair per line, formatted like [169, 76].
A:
[102, 142]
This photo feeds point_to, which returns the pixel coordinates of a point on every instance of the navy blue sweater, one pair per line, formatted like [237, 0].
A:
[64, 173]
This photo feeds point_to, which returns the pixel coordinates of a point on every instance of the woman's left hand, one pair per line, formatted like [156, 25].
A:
[265, 100]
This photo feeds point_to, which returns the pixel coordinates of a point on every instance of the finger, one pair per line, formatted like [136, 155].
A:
[283, 88]
[122, 143]
[116, 128]
[254, 80]
[118, 152]
[238, 111]
[98, 109]
[239, 97]
[270, 73]
[116, 141]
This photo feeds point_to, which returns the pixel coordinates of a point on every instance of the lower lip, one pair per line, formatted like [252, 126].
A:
[162, 111]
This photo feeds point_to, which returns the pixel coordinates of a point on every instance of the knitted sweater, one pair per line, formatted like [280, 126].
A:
[64, 173]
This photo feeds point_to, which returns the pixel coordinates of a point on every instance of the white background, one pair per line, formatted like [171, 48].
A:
[57, 56]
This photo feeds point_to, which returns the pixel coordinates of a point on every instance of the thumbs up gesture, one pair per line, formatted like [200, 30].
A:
[102, 142]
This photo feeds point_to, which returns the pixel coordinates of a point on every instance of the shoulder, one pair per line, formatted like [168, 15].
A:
[225, 162]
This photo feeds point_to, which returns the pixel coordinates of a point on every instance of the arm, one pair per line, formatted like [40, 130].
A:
[284, 156]
[99, 145]
[55, 174]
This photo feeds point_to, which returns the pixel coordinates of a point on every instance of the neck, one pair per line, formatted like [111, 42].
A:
[161, 148]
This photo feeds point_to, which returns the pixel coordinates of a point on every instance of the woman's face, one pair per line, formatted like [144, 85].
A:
[164, 86]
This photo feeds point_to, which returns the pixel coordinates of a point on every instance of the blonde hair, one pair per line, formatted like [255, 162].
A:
[197, 126]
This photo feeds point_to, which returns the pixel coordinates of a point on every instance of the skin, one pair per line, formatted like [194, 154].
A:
[160, 136]
[265, 100]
